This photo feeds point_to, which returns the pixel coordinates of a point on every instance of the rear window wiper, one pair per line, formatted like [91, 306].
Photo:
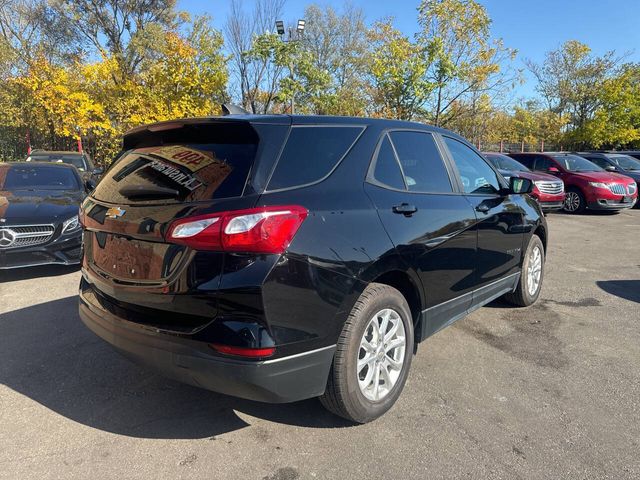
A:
[151, 191]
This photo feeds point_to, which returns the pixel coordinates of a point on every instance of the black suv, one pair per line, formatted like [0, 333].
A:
[279, 258]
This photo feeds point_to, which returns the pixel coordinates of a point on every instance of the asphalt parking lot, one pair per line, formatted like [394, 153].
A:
[552, 391]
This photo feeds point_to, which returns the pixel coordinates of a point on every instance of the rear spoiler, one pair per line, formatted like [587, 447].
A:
[229, 109]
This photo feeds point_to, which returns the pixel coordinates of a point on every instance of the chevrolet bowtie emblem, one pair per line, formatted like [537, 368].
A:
[115, 212]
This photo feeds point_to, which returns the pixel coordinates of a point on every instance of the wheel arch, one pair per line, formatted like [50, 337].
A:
[541, 231]
[411, 289]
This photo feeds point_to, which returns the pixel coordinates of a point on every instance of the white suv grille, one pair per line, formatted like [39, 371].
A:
[550, 187]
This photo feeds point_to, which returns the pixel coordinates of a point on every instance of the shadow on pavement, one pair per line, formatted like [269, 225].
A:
[48, 355]
[627, 289]
[16, 274]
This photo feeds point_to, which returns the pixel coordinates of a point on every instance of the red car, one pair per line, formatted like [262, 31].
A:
[587, 185]
[547, 190]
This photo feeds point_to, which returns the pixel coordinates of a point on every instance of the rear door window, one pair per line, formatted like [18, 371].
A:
[421, 162]
[312, 153]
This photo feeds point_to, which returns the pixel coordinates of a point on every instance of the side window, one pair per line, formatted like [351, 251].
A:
[601, 162]
[543, 164]
[475, 174]
[387, 169]
[527, 161]
[310, 154]
[421, 162]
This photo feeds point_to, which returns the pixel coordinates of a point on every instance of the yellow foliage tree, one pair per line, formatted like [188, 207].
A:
[56, 99]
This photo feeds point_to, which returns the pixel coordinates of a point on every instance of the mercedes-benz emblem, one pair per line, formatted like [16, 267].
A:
[7, 237]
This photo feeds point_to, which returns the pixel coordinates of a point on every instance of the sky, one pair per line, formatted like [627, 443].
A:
[531, 27]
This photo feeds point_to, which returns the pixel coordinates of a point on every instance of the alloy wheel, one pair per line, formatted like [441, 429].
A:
[381, 354]
[571, 201]
[534, 271]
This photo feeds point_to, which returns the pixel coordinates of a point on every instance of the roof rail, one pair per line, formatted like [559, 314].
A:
[230, 109]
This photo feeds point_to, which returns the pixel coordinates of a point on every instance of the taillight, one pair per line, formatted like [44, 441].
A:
[256, 230]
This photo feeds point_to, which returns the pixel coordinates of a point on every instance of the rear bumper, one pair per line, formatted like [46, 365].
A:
[62, 251]
[285, 379]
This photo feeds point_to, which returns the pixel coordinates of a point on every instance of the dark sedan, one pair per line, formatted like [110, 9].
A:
[39, 214]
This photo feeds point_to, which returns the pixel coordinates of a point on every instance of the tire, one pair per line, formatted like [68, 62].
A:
[523, 296]
[574, 201]
[344, 395]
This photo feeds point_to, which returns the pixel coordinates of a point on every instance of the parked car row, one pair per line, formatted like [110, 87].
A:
[588, 180]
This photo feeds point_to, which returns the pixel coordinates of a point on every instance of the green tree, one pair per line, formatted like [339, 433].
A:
[129, 31]
[336, 42]
[276, 58]
[255, 78]
[571, 79]
[616, 122]
[398, 70]
[463, 61]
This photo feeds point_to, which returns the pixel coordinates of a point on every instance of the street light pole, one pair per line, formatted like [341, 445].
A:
[292, 38]
[293, 93]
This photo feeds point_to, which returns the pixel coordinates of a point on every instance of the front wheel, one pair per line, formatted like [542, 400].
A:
[373, 356]
[574, 201]
[530, 283]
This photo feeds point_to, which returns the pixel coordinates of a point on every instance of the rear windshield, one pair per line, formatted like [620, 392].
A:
[75, 160]
[311, 153]
[38, 177]
[178, 173]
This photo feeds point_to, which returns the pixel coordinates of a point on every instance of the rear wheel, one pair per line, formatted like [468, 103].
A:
[373, 356]
[530, 283]
[574, 201]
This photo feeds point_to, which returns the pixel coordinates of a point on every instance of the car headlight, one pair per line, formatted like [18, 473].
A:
[599, 185]
[71, 225]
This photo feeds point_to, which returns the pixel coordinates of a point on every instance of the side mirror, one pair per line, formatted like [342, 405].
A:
[97, 171]
[520, 185]
[611, 168]
[553, 170]
[89, 185]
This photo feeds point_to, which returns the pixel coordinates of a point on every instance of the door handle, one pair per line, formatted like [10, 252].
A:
[405, 209]
[482, 208]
